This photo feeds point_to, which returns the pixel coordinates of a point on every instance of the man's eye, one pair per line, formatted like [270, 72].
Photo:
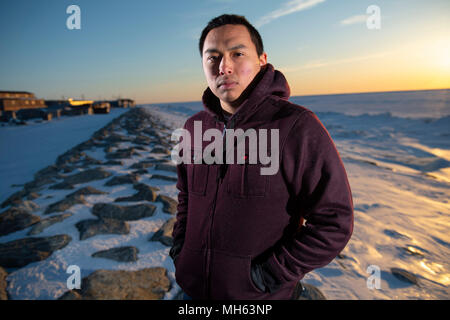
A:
[212, 58]
[239, 53]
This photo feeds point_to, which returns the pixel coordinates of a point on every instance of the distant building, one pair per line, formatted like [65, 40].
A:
[122, 103]
[23, 105]
[57, 104]
[101, 107]
[16, 100]
[119, 103]
[16, 94]
[80, 102]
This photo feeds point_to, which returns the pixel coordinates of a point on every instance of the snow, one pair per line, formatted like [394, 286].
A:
[29, 148]
[399, 173]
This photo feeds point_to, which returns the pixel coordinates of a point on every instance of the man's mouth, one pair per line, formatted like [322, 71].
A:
[227, 84]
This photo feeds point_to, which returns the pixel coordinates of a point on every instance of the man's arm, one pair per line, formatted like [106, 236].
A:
[317, 180]
[179, 228]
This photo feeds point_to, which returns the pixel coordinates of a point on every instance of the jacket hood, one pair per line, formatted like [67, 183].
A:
[267, 82]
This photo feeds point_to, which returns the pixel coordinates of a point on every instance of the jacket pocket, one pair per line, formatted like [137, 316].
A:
[197, 175]
[246, 181]
[190, 272]
[231, 278]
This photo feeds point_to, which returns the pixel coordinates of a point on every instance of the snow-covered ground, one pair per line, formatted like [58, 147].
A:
[399, 173]
[27, 149]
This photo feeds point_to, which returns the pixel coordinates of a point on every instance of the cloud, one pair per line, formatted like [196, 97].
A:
[362, 18]
[287, 8]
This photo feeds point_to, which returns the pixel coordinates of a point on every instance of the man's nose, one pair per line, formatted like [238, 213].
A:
[225, 66]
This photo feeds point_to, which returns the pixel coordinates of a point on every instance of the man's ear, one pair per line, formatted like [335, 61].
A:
[263, 59]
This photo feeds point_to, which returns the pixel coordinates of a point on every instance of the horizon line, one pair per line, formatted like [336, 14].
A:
[311, 95]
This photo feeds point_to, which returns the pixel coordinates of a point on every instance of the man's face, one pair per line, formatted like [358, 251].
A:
[230, 61]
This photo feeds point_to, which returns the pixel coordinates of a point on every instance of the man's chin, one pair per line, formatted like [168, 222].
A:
[230, 99]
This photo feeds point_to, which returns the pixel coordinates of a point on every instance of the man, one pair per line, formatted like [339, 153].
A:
[240, 234]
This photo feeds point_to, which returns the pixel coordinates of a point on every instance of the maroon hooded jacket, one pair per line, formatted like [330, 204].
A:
[235, 226]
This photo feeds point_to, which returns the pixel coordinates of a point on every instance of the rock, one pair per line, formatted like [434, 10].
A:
[142, 165]
[14, 198]
[166, 167]
[90, 161]
[158, 176]
[164, 234]
[109, 149]
[144, 284]
[151, 132]
[142, 140]
[92, 227]
[71, 156]
[140, 148]
[38, 184]
[413, 250]
[113, 163]
[27, 205]
[3, 284]
[50, 171]
[129, 178]
[121, 154]
[170, 205]
[145, 193]
[65, 204]
[71, 295]
[15, 219]
[67, 169]
[87, 176]
[117, 138]
[101, 134]
[123, 213]
[396, 235]
[404, 275]
[19, 253]
[45, 223]
[86, 191]
[160, 150]
[33, 196]
[62, 186]
[143, 186]
[311, 292]
[140, 172]
[121, 254]
[155, 161]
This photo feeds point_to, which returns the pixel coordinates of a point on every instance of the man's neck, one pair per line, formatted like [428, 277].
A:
[228, 108]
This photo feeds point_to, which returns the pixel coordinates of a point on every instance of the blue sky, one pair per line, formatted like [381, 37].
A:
[148, 50]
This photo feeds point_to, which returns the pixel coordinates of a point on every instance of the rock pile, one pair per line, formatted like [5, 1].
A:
[127, 138]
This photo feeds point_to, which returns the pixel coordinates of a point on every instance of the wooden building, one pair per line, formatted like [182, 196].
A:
[16, 100]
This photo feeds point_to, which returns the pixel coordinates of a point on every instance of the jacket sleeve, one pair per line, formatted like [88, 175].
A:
[179, 228]
[316, 178]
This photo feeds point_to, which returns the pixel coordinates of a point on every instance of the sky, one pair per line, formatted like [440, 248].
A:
[148, 50]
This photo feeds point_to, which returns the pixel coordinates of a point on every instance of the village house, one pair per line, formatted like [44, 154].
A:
[24, 105]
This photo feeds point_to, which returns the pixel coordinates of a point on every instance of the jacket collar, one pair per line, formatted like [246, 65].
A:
[267, 82]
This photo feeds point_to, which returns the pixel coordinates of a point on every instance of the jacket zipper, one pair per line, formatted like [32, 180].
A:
[219, 179]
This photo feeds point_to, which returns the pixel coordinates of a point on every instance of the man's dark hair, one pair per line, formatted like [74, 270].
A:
[232, 19]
